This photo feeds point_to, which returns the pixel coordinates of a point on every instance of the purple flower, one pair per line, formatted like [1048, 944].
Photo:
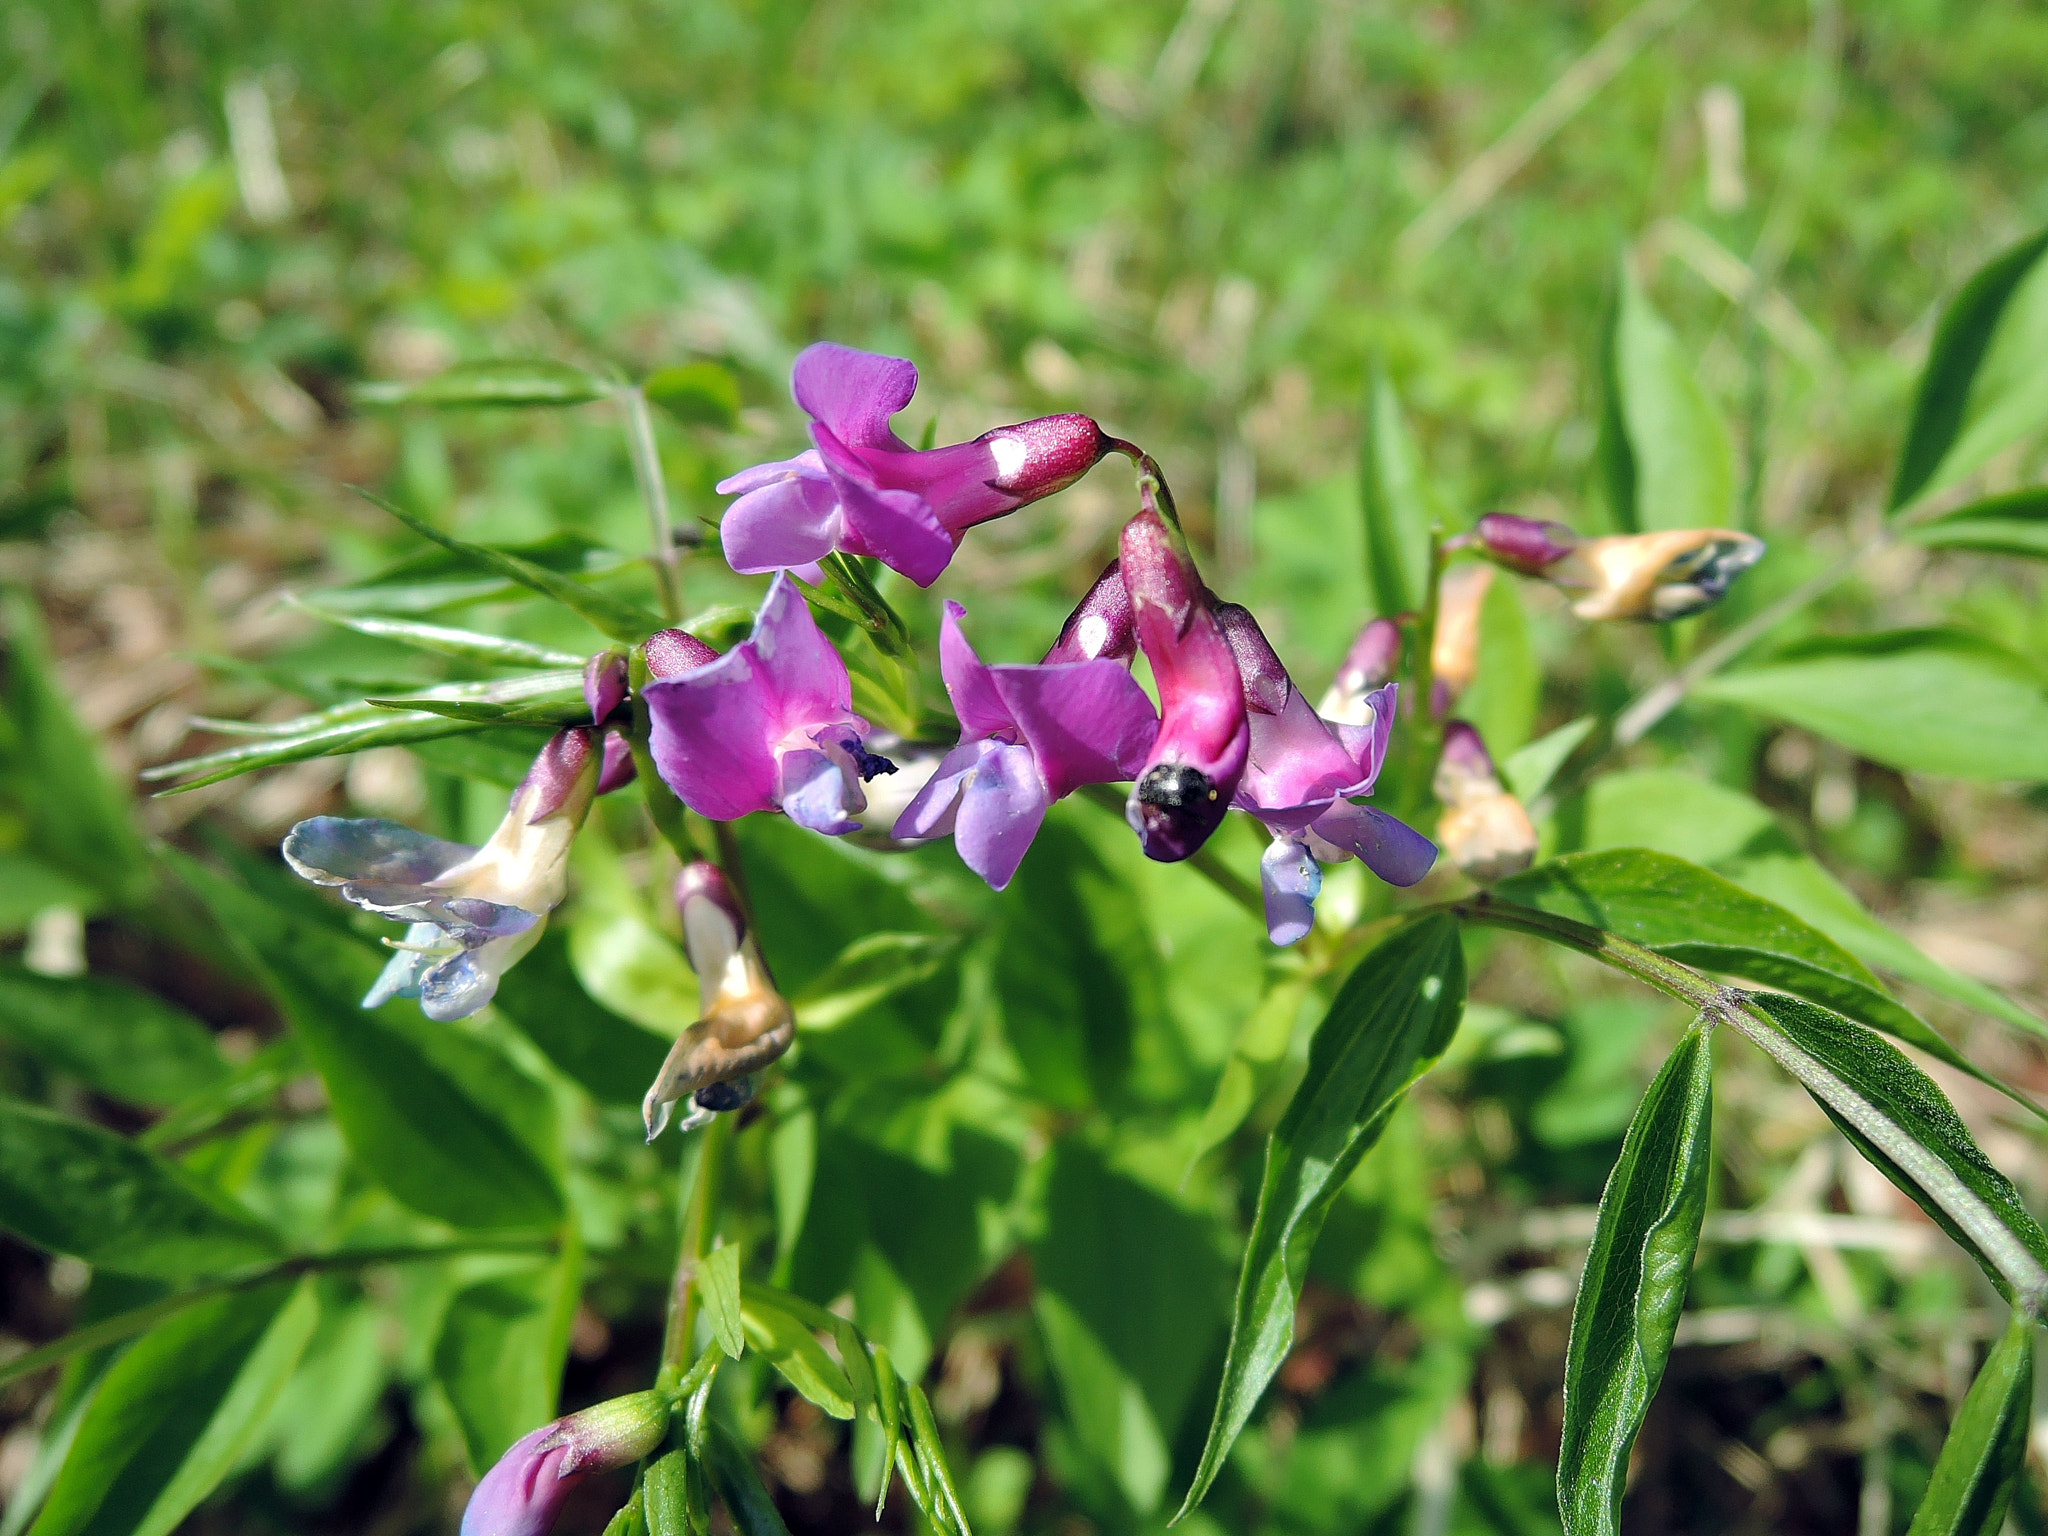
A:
[769, 726]
[1102, 623]
[744, 1023]
[865, 491]
[1301, 780]
[523, 1493]
[472, 911]
[1187, 779]
[1527, 544]
[604, 690]
[1029, 735]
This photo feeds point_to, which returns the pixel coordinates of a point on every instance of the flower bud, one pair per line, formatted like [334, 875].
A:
[1034, 459]
[670, 652]
[1101, 625]
[604, 683]
[525, 1491]
[1484, 829]
[1656, 576]
[745, 1025]
[1526, 544]
[1368, 665]
[1454, 659]
[1199, 756]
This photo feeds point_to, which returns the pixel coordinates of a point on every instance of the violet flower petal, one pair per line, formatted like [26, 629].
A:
[1292, 880]
[1002, 805]
[976, 701]
[523, 1493]
[1088, 722]
[854, 393]
[786, 524]
[933, 809]
[1390, 848]
[897, 527]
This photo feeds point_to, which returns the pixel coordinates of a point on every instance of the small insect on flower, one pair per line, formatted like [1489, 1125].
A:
[524, 1491]
[863, 490]
[768, 726]
[473, 911]
[745, 1025]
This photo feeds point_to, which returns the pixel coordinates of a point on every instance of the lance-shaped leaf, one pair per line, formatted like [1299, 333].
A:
[1983, 1459]
[550, 715]
[609, 615]
[441, 640]
[1396, 502]
[1663, 448]
[1694, 915]
[176, 1413]
[1391, 1019]
[718, 1282]
[1634, 1286]
[74, 1188]
[494, 381]
[1960, 394]
[501, 1350]
[739, 1486]
[129, 1044]
[868, 971]
[2014, 524]
[431, 579]
[795, 1352]
[1905, 1125]
[409, 1117]
[1979, 711]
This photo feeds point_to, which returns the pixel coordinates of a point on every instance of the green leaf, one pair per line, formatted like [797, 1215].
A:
[1633, 1286]
[71, 815]
[739, 1486]
[501, 1352]
[868, 971]
[1983, 1460]
[2014, 524]
[331, 1402]
[1391, 1019]
[612, 1057]
[1126, 1373]
[1925, 701]
[548, 715]
[718, 1282]
[412, 1123]
[611, 616]
[74, 1188]
[176, 1412]
[1695, 916]
[1905, 1126]
[1663, 446]
[1529, 771]
[463, 644]
[1397, 505]
[795, 1352]
[126, 1043]
[1503, 697]
[1073, 942]
[494, 381]
[1980, 385]
[700, 394]
[433, 578]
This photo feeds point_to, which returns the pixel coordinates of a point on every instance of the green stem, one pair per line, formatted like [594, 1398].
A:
[1645, 964]
[700, 1216]
[646, 454]
[126, 1325]
[1424, 733]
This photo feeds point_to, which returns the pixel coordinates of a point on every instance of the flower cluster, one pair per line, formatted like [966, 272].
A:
[769, 725]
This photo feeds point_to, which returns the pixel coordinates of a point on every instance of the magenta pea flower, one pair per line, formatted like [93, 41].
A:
[472, 912]
[1186, 782]
[525, 1490]
[769, 726]
[1303, 780]
[1029, 735]
[863, 490]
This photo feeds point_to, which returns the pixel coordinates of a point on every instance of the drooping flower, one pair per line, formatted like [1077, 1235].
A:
[1369, 663]
[1484, 828]
[1454, 657]
[1185, 784]
[1302, 781]
[768, 726]
[472, 911]
[745, 1024]
[524, 1491]
[863, 490]
[1029, 735]
[1654, 576]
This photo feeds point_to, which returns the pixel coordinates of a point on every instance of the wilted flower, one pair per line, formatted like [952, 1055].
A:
[1187, 779]
[1656, 576]
[1484, 828]
[1029, 735]
[1367, 665]
[862, 489]
[746, 1023]
[767, 726]
[473, 911]
[1302, 775]
[1454, 658]
[523, 1493]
